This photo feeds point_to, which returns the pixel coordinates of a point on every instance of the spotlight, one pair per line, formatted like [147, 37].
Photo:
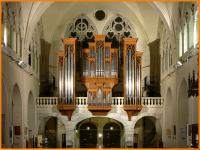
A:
[22, 64]
[179, 64]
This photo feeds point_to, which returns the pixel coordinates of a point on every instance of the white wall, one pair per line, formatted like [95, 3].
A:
[13, 75]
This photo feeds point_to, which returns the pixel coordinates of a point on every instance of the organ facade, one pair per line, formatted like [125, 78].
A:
[99, 74]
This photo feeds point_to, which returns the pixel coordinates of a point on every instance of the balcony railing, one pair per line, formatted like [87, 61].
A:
[115, 101]
[152, 101]
[81, 101]
[46, 101]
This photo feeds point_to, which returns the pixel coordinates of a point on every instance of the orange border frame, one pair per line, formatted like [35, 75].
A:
[90, 1]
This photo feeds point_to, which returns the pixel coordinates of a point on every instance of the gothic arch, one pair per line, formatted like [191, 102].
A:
[82, 28]
[153, 133]
[17, 116]
[183, 113]
[59, 130]
[169, 109]
[117, 27]
[31, 114]
[5, 111]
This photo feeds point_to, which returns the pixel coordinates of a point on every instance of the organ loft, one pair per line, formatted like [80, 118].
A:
[99, 74]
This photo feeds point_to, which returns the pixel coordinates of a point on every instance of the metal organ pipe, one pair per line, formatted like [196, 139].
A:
[138, 79]
[129, 81]
[60, 78]
[103, 64]
[69, 79]
[66, 76]
[133, 77]
[127, 75]
[72, 77]
[100, 64]
[97, 62]
[69, 74]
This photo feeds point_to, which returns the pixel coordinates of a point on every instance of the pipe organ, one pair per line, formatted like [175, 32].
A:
[132, 71]
[100, 70]
[66, 71]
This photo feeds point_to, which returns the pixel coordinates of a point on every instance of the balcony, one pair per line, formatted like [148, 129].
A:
[132, 107]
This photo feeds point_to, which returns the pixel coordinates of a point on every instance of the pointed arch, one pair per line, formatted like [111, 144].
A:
[82, 28]
[117, 27]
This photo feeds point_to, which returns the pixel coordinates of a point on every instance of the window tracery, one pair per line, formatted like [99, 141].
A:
[81, 28]
[119, 27]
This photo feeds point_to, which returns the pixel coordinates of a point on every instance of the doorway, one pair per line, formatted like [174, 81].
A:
[111, 135]
[88, 135]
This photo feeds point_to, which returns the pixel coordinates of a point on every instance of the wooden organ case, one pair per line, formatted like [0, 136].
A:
[66, 76]
[100, 74]
[132, 65]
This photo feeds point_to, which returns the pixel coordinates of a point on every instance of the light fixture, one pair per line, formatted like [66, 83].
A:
[22, 64]
[179, 64]
[100, 135]
[88, 128]
[111, 128]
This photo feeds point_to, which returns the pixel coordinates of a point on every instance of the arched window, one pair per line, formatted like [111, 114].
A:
[5, 36]
[185, 38]
[163, 57]
[180, 44]
[191, 31]
[81, 28]
[195, 29]
[119, 27]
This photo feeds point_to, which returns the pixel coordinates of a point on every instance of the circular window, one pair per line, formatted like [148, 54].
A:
[118, 27]
[100, 15]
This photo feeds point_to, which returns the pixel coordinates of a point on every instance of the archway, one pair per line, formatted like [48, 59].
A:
[50, 132]
[17, 117]
[182, 115]
[112, 135]
[53, 130]
[99, 132]
[31, 118]
[88, 135]
[147, 133]
[170, 127]
[5, 115]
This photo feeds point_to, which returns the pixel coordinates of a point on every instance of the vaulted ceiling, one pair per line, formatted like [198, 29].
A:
[55, 16]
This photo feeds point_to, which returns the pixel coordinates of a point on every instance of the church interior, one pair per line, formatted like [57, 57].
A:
[99, 74]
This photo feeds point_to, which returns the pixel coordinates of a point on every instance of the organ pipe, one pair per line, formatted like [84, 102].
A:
[66, 71]
[132, 70]
[60, 67]
[102, 60]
